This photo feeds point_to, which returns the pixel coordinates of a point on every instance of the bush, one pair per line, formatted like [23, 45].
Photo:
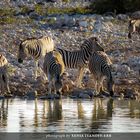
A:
[76, 10]
[117, 6]
[7, 12]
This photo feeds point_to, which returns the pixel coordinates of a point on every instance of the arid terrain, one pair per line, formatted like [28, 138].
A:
[69, 32]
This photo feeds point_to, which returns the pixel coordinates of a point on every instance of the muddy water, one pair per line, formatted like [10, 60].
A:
[68, 115]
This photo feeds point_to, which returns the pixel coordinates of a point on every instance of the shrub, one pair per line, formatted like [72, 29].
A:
[7, 12]
[118, 6]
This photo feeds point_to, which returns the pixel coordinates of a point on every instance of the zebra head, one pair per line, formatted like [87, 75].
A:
[22, 52]
[96, 46]
[92, 44]
[58, 84]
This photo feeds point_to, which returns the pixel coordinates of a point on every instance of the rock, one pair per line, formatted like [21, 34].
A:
[31, 95]
[102, 26]
[135, 15]
[122, 17]
[1, 97]
[68, 84]
[134, 62]
[97, 26]
[65, 89]
[8, 95]
[108, 18]
[82, 93]
[83, 24]
[84, 96]
[52, 96]
[76, 92]
[35, 16]
[90, 93]
[104, 93]
[130, 93]
[109, 14]
[73, 97]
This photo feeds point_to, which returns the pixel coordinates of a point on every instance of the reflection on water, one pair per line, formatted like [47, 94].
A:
[67, 115]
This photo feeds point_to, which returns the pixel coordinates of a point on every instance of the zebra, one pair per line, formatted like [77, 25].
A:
[78, 59]
[4, 85]
[36, 48]
[100, 66]
[134, 26]
[54, 68]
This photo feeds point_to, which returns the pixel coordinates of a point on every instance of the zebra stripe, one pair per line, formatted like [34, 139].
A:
[76, 59]
[3, 75]
[79, 58]
[54, 68]
[36, 48]
[99, 66]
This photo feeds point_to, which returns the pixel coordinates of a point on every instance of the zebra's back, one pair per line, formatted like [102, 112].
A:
[53, 63]
[79, 58]
[99, 64]
[54, 68]
[37, 47]
[71, 59]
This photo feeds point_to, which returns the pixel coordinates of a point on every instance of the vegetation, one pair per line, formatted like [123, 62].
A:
[77, 10]
[39, 9]
[65, 0]
[116, 6]
[7, 12]
[13, 19]
[25, 10]
[10, 15]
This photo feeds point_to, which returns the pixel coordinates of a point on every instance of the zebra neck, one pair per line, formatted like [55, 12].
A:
[86, 53]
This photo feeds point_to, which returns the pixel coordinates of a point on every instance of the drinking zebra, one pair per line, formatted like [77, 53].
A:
[3, 75]
[54, 68]
[78, 59]
[36, 48]
[100, 67]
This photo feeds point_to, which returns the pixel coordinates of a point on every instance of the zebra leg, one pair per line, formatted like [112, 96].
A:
[2, 86]
[7, 84]
[44, 77]
[79, 78]
[54, 87]
[40, 66]
[50, 83]
[50, 87]
[98, 86]
[101, 89]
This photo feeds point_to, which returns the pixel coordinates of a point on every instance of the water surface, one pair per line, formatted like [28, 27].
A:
[68, 115]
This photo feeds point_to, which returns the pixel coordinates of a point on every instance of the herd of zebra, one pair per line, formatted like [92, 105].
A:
[54, 61]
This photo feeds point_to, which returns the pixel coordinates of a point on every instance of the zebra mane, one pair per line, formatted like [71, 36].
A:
[89, 40]
[32, 38]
